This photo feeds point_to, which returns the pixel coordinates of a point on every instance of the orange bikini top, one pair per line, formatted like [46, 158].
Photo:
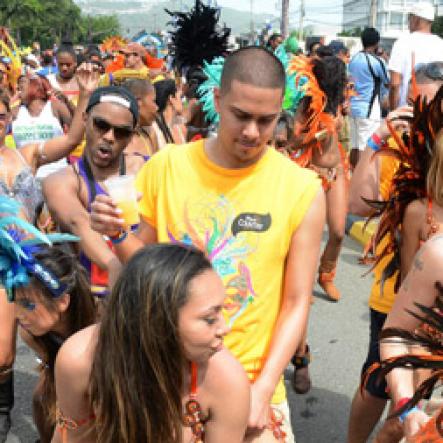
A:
[193, 416]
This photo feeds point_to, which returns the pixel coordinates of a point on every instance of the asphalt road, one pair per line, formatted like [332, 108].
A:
[338, 337]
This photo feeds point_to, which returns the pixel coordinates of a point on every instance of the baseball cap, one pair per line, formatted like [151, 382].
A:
[337, 46]
[114, 94]
[423, 10]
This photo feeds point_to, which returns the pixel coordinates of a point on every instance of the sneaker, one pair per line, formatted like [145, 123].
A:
[301, 382]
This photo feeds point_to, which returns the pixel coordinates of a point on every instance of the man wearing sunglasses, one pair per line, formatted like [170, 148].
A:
[110, 120]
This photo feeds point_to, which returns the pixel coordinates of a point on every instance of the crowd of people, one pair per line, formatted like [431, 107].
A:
[161, 226]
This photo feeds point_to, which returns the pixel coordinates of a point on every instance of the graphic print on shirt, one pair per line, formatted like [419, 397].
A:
[228, 239]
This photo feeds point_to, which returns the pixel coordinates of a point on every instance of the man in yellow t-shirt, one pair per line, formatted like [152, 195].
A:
[372, 180]
[258, 216]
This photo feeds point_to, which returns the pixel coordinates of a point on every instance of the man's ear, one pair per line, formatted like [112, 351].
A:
[217, 99]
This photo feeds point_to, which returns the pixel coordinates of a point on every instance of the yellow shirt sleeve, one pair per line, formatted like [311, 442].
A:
[310, 183]
[148, 182]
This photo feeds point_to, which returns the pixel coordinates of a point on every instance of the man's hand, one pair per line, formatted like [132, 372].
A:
[105, 216]
[399, 120]
[87, 76]
[413, 422]
[260, 407]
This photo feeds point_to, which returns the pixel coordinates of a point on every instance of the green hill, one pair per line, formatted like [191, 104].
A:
[137, 15]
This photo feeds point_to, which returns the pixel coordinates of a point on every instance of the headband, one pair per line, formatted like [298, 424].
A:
[19, 241]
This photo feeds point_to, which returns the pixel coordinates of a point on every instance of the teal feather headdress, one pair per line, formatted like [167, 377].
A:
[295, 88]
[19, 240]
[206, 90]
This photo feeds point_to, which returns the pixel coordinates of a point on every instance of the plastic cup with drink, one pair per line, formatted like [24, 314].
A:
[122, 190]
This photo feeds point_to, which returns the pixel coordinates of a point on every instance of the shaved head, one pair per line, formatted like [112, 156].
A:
[254, 66]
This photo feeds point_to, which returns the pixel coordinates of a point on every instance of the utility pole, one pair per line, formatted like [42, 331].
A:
[284, 18]
[373, 14]
[252, 22]
[302, 16]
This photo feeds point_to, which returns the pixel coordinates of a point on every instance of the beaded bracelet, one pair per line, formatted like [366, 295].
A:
[119, 238]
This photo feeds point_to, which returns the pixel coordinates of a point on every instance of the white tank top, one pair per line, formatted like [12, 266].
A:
[27, 129]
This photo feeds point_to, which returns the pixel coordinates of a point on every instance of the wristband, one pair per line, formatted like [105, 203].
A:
[402, 417]
[119, 238]
[404, 414]
[377, 139]
[373, 145]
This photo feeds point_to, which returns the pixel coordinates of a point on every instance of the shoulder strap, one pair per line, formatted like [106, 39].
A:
[194, 377]
[20, 156]
[90, 178]
[377, 85]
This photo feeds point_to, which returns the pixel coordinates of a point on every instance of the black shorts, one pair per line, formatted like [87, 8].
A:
[375, 386]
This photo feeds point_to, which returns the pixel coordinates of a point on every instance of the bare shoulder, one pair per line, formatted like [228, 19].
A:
[134, 163]
[224, 370]
[76, 355]
[64, 178]
[417, 208]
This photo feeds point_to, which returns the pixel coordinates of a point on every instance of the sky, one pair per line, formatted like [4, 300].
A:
[319, 12]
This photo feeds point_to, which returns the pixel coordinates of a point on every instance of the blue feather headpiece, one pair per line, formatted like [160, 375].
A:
[19, 241]
[206, 90]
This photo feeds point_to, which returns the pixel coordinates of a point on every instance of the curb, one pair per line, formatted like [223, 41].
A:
[355, 228]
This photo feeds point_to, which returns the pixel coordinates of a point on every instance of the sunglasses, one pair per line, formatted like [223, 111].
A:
[120, 132]
[434, 71]
[3, 117]
[134, 54]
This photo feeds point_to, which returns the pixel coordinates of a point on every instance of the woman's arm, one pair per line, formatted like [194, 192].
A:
[229, 399]
[365, 181]
[72, 375]
[417, 287]
[410, 234]
[52, 150]
[61, 112]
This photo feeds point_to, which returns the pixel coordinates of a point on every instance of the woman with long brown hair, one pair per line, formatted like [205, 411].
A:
[155, 369]
[45, 322]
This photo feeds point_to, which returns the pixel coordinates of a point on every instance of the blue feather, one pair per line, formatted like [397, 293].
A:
[206, 90]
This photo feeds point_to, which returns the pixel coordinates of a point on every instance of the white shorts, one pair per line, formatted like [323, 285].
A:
[282, 411]
[361, 130]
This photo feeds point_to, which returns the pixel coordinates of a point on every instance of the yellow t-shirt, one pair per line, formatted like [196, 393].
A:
[383, 301]
[244, 220]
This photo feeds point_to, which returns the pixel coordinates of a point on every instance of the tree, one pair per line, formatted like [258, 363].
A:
[354, 32]
[50, 21]
[99, 27]
[24, 9]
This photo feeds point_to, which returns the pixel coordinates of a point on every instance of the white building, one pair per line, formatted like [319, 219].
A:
[392, 15]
